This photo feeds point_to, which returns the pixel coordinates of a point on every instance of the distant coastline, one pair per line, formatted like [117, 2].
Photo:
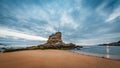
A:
[111, 44]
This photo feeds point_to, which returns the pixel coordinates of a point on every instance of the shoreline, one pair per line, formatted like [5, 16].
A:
[53, 59]
[95, 56]
[71, 52]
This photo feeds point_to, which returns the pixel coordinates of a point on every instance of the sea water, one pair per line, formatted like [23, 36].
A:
[111, 52]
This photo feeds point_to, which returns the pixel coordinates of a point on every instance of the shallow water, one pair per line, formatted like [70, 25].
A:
[111, 52]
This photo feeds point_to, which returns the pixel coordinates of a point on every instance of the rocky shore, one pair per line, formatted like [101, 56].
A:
[54, 42]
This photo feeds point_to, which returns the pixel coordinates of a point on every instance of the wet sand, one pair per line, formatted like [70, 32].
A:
[53, 59]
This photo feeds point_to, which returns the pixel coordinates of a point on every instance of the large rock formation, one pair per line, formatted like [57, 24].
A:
[55, 41]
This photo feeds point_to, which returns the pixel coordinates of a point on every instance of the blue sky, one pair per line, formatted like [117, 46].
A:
[81, 21]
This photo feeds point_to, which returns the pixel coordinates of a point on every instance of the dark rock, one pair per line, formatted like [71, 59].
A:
[78, 47]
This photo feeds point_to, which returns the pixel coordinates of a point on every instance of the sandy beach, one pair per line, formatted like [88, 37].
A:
[53, 59]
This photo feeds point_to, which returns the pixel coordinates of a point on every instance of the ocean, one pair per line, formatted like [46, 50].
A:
[110, 52]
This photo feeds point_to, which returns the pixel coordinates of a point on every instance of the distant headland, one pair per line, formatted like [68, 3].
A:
[111, 44]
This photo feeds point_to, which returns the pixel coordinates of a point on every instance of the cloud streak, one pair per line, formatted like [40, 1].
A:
[16, 34]
[114, 15]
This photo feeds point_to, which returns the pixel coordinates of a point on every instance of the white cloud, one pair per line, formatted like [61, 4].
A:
[25, 13]
[67, 20]
[4, 32]
[114, 15]
[100, 9]
[49, 28]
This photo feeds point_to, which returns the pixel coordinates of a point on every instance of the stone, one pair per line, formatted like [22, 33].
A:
[55, 41]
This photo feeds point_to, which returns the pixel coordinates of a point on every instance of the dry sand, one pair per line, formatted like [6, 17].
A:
[53, 59]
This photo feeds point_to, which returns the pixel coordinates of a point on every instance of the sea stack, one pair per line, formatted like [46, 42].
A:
[55, 41]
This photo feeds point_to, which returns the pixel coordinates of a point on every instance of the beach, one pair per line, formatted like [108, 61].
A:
[53, 59]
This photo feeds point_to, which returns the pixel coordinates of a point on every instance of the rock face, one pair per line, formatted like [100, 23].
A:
[55, 41]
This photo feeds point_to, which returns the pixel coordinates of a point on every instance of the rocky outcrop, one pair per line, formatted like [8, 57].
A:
[55, 41]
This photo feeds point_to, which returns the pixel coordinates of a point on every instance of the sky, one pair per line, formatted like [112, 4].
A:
[83, 22]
